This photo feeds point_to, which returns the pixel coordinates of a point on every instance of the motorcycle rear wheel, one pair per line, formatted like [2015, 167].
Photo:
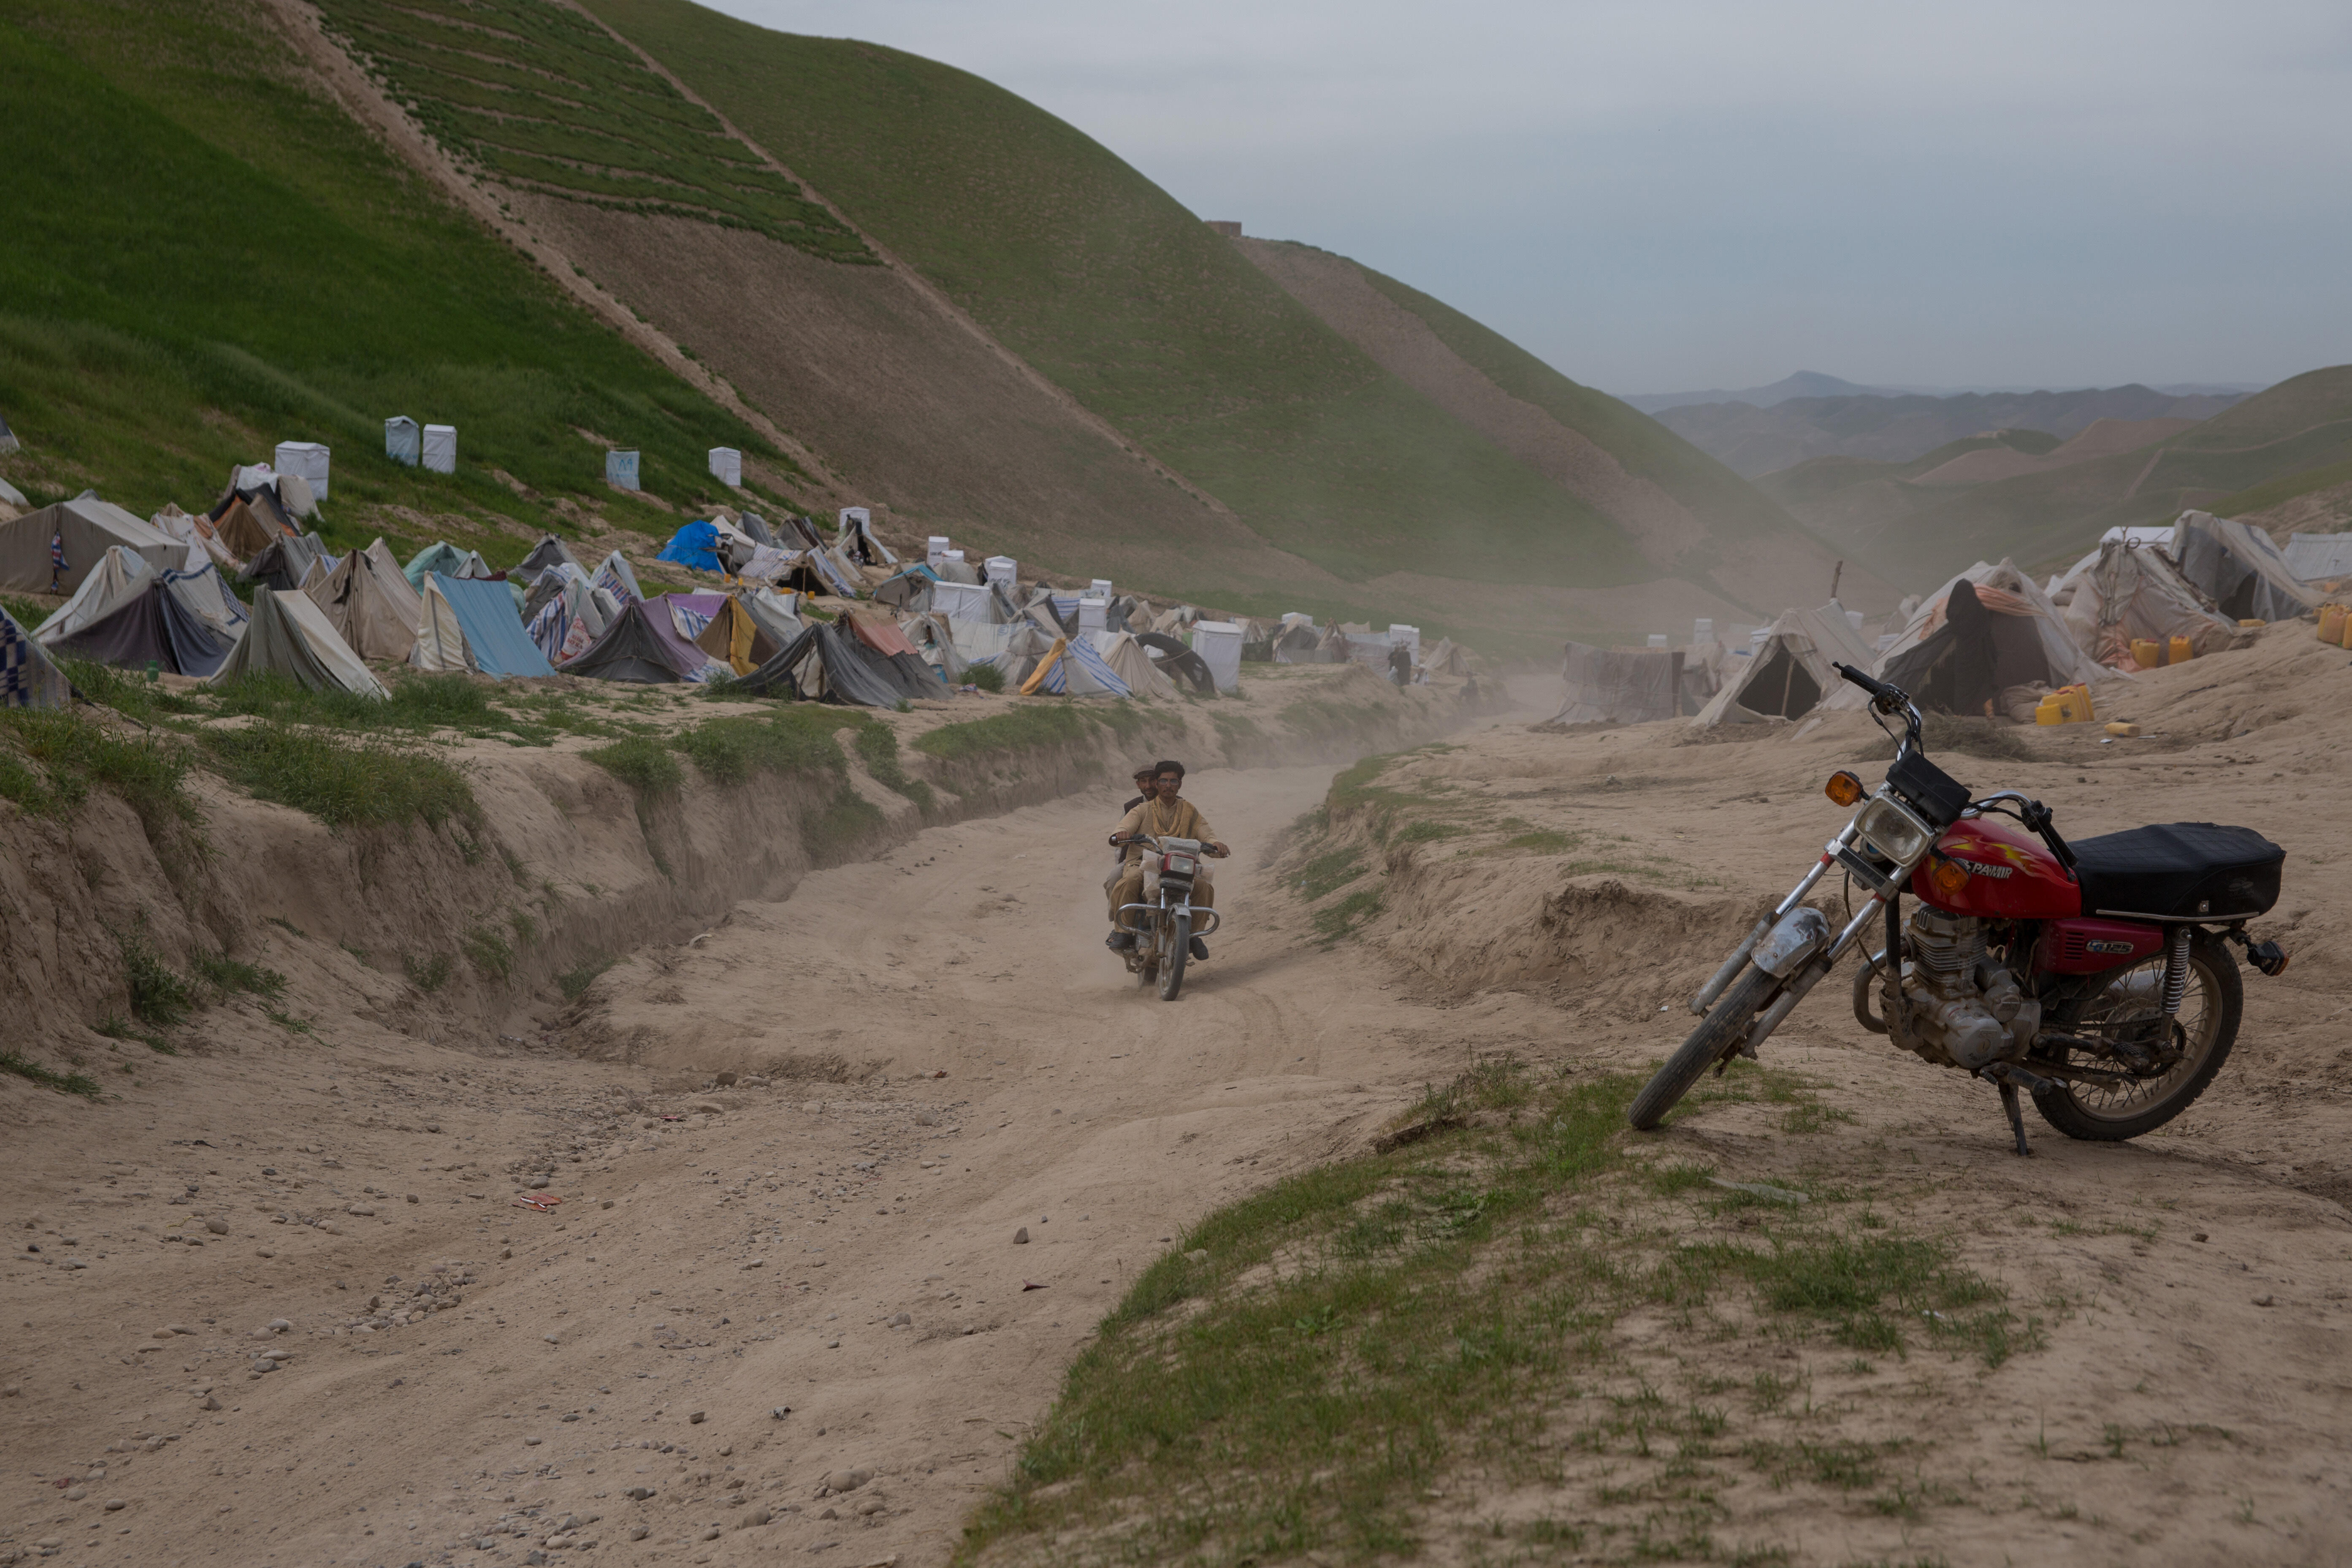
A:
[2130, 999]
[1179, 948]
[1719, 1032]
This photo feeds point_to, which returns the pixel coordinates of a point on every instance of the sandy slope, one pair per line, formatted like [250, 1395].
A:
[752, 1259]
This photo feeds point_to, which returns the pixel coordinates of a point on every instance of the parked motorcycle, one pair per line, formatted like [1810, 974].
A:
[2096, 976]
[1170, 923]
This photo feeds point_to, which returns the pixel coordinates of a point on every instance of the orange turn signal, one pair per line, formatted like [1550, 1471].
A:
[1950, 877]
[1844, 788]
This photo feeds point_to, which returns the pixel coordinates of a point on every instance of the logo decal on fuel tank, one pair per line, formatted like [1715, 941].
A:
[2106, 946]
[1979, 869]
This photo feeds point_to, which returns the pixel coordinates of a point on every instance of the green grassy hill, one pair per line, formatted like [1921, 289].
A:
[2292, 439]
[1101, 280]
[202, 258]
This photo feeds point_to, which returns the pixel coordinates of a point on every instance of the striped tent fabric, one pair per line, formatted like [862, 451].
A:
[28, 677]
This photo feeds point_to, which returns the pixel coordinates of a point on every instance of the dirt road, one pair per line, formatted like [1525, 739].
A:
[842, 1245]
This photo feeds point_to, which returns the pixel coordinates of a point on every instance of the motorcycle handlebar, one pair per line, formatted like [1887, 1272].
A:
[1879, 690]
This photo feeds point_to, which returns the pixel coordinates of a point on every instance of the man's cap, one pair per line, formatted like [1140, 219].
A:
[1149, 770]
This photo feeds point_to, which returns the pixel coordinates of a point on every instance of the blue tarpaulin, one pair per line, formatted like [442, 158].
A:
[695, 545]
[493, 632]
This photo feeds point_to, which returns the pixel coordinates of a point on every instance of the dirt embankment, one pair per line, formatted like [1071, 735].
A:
[442, 930]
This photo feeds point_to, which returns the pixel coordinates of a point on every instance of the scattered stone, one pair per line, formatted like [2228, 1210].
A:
[365, 1211]
[2197, 1236]
[536, 1182]
[757, 1516]
[1021, 1236]
[872, 1505]
[605, 1204]
[278, 1325]
[178, 1329]
[1198, 1254]
[639, 1493]
[850, 1479]
[830, 1513]
[115, 1505]
[639, 1532]
[725, 1080]
[550, 1339]
[530, 1442]
[75, 1494]
[695, 1418]
[413, 1198]
[2263, 1300]
[779, 1413]
[265, 1252]
[218, 1225]
[757, 1263]
[904, 1319]
[711, 1534]
[212, 1402]
[432, 1127]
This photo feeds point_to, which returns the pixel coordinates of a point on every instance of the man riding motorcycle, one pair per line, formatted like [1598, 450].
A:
[1166, 815]
[1146, 784]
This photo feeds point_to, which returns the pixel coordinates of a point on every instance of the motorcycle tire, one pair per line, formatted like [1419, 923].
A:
[1718, 1033]
[1179, 948]
[2209, 1014]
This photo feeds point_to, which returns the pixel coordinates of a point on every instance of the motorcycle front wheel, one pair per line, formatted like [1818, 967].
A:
[2129, 1004]
[1718, 1034]
[1179, 948]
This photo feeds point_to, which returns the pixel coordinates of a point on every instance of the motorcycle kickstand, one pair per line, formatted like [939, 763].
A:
[2016, 1115]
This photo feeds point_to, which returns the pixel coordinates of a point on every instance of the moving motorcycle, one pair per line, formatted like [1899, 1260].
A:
[1168, 927]
[2095, 976]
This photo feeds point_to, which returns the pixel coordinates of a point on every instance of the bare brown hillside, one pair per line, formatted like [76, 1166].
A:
[1705, 574]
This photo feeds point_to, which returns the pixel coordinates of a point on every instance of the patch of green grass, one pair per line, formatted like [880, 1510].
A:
[32, 1071]
[159, 993]
[731, 751]
[28, 612]
[60, 755]
[115, 1027]
[428, 973]
[525, 928]
[877, 748]
[285, 924]
[985, 677]
[229, 976]
[1427, 831]
[643, 762]
[574, 982]
[1340, 919]
[291, 1024]
[344, 781]
[1540, 841]
[489, 952]
[833, 830]
[1237, 731]
[1328, 872]
[1814, 1117]
[1029, 727]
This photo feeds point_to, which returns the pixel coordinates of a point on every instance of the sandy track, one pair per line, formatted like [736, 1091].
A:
[720, 1281]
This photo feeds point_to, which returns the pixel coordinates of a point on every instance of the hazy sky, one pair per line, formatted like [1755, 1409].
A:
[1657, 196]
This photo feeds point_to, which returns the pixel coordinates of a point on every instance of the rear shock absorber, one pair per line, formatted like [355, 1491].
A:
[2175, 969]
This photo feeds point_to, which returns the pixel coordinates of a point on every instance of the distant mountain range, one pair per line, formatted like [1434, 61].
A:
[1887, 425]
[1814, 384]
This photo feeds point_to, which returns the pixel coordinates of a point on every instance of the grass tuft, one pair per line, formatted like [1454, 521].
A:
[159, 995]
[574, 982]
[77, 1083]
[344, 782]
[229, 976]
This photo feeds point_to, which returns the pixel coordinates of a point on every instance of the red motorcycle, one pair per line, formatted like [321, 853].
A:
[2096, 976]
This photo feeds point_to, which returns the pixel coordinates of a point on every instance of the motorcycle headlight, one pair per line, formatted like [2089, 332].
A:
[1894, 832]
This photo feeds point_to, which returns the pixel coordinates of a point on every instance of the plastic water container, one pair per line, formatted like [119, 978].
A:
[2182, 651]
[2067, 705]
[2331, 625]
[2146, 653]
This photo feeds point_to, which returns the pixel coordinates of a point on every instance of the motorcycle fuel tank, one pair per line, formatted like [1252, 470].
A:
[2010, 875]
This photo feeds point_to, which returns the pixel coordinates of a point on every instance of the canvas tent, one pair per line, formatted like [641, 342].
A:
[2319, 557]
[1132, 662]
[2238, 568]
[119, 575]
[824, 664]
[286, 560]
[1179, 662]
[82, 530]
[288, 636]
[240, 533]
[898, 659]
[856, 540]
[368, 601]
[617, 577]
[2126, 592]
[641, 645]
[1073, 668]
[735, 637]
[447, 560]
[1607, 685]
[547, 553]
[2008, 637]
[466, 624]
[152, 625]
[29, 678]
[1788, 672]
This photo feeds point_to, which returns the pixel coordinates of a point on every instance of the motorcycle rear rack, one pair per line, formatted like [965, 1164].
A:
[1214, 921]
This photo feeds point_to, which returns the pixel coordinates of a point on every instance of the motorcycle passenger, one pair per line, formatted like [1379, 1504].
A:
[1166, 815]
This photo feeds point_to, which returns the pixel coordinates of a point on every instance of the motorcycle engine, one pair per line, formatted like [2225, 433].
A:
[1961, 1007]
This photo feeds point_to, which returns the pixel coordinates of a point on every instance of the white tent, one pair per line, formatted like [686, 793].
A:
[2319, 557]
[1790, 671]
[290, 635]
[307, 460]
[2126, 591]
[2032, 644]
[964, 602]
[2238, 568]
[1609, 686]
[1132, 662]
[119, 577]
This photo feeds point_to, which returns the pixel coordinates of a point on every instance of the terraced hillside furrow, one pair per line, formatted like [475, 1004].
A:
[540, 98]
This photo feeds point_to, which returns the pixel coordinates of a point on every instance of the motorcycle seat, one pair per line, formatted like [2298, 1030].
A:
[2180, 870]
